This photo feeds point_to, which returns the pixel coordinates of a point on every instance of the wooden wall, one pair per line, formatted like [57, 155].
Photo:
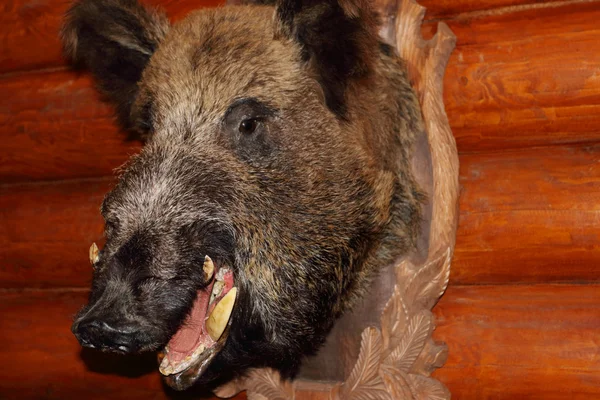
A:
[522, 313]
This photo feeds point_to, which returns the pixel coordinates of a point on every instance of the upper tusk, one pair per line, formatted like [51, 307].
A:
[209, 268]
[94, 254]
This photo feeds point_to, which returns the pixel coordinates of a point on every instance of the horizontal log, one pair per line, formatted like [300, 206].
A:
[448, 9]
[529, 215]
[490, 381]
[525, 342]
[525, 216]
[29, 37]
[526, 78]
[46, 230]
[54, 126]
[46, 361]
[520, 342]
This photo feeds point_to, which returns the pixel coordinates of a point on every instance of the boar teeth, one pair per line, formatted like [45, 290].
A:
[217, 322]
[166, 368]
[217, 289]
[219, 284]
[94, 254]
[209, 268]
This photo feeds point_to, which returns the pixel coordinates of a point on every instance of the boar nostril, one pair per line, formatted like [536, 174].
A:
[84, 332]
[96, 333]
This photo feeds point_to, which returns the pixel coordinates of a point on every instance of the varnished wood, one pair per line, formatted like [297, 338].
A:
[521, 342]
[490, 382]
[448, 9]
[526, 78]
[529, 215]
[46, 230]
[54, 126]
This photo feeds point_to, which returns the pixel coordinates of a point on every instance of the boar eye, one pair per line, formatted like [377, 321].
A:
[248, 126]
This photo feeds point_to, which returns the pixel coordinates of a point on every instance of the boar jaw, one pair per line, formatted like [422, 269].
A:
[204, 333]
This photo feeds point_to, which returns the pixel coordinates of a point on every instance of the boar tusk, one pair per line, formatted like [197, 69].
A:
[209, 268]
[94, 257]
[217, 322]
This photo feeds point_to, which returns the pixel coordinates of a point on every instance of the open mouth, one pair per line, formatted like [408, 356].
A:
[204, 333]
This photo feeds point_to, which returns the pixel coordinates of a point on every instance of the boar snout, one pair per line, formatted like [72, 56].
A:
[108, 324]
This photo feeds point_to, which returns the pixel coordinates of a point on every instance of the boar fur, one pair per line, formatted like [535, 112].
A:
[277, 141]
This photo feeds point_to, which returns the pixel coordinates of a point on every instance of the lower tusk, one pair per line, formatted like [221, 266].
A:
[217, 322]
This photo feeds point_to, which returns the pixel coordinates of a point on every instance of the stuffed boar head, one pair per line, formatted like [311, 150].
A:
[272, 183]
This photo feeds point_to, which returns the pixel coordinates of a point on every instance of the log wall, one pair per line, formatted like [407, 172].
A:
[522, 313]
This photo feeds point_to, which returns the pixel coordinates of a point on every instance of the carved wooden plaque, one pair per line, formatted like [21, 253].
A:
[383, 349]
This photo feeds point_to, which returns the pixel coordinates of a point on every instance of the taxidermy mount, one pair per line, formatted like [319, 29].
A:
[275, 182]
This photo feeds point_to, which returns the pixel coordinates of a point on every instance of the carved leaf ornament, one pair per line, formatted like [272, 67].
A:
[394, 362]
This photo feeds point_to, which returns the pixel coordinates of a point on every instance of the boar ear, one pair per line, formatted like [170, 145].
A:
[114, 39]
[338, 38]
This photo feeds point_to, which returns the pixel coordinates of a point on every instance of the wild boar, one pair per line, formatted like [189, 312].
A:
[273, 184]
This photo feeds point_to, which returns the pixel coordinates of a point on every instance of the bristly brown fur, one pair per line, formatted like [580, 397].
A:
[305, 208]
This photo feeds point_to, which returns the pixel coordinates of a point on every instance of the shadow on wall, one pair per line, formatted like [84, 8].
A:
[134, 366]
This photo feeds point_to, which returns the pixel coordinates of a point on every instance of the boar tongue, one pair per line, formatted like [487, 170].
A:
[188, 337]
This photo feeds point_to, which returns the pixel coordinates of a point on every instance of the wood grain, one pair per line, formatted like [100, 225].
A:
[46, 362]
[532, 383]
[448, 9]
[529, 215]
[46, 231]
[525, 79]
[521, 342]
[53, 126]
